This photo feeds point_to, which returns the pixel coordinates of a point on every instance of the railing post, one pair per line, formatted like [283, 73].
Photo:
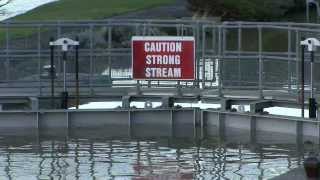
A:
[39, 58]
[260, 64]
[179, 33]
[138, 86]
[307, 11]
[289, 60]
[220, 93]
[91, 58]
[203, 57]
[197, 53]
[297, 38]
[239, 52]
[7, 53]
[148, 34]
[109, 53]
[58, 68]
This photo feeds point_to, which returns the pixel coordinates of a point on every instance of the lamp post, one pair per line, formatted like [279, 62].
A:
[311, 44]
[64, 43]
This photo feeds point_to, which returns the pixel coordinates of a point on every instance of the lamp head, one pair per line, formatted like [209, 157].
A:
[311, 43]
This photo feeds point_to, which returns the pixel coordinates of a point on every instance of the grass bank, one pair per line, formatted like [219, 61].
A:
[88, 10]
[80, 10]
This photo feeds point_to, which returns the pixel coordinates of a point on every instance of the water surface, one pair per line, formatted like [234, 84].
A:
[82, 154]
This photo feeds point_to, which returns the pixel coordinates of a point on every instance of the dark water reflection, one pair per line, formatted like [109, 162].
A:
[107, 154]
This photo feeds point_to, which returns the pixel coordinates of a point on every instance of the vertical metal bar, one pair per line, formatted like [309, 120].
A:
[289, 60]
[214, 53]
[91, 57]
[302, 81]
[297, 49]
[52, 74]
[77, 75]
[179, 33]
[64, 57]
[197, 53]
[64, 94]
[138, 81]
[311, 74]
[148, 34]
[307, 11]
[39, 58]
[109, 51]
[239, 52]
[203, 57]
[219, 62]
[260, 63]
[7, 53]
[312, 100]
[58, 68]
[223, 51]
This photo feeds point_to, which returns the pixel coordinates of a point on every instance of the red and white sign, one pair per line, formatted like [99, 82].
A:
[163, 58]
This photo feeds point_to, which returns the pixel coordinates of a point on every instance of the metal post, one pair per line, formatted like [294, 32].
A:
[64, 43]
[289, 61]
[52, 73]
[312, 100]
[239, 53]
[77, 74]
[311, 73]
[219, 62]
[64, 94]
[260, 64]
[58, 66]
[7, 53]
[39, 58]
[302, 81]
[64, 58]
[179, 33]
[203, 58]
[197, 54]
[91, 58]
[297, 69]
[109, 52]
[148, 34]
[307, 11]
[138, 81]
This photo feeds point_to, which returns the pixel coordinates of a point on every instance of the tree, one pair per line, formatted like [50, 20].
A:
[244, 9]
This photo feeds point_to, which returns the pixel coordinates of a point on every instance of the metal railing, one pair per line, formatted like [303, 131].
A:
[252, 55]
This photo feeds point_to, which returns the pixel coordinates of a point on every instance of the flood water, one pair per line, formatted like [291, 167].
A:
[81, 154]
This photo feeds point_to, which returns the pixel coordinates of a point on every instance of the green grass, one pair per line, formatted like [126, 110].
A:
[88, 9]
[80, 10]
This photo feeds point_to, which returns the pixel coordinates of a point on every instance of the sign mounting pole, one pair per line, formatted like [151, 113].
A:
[52, 74]
[311, 44]
[64, 43]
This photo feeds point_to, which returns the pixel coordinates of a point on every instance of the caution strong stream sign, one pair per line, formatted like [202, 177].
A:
[163, 58]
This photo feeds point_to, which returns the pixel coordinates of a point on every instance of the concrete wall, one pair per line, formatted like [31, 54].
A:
[238, 127]
[152, 122]
[259, 128]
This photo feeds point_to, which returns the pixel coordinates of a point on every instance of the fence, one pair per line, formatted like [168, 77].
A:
[229, 55]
